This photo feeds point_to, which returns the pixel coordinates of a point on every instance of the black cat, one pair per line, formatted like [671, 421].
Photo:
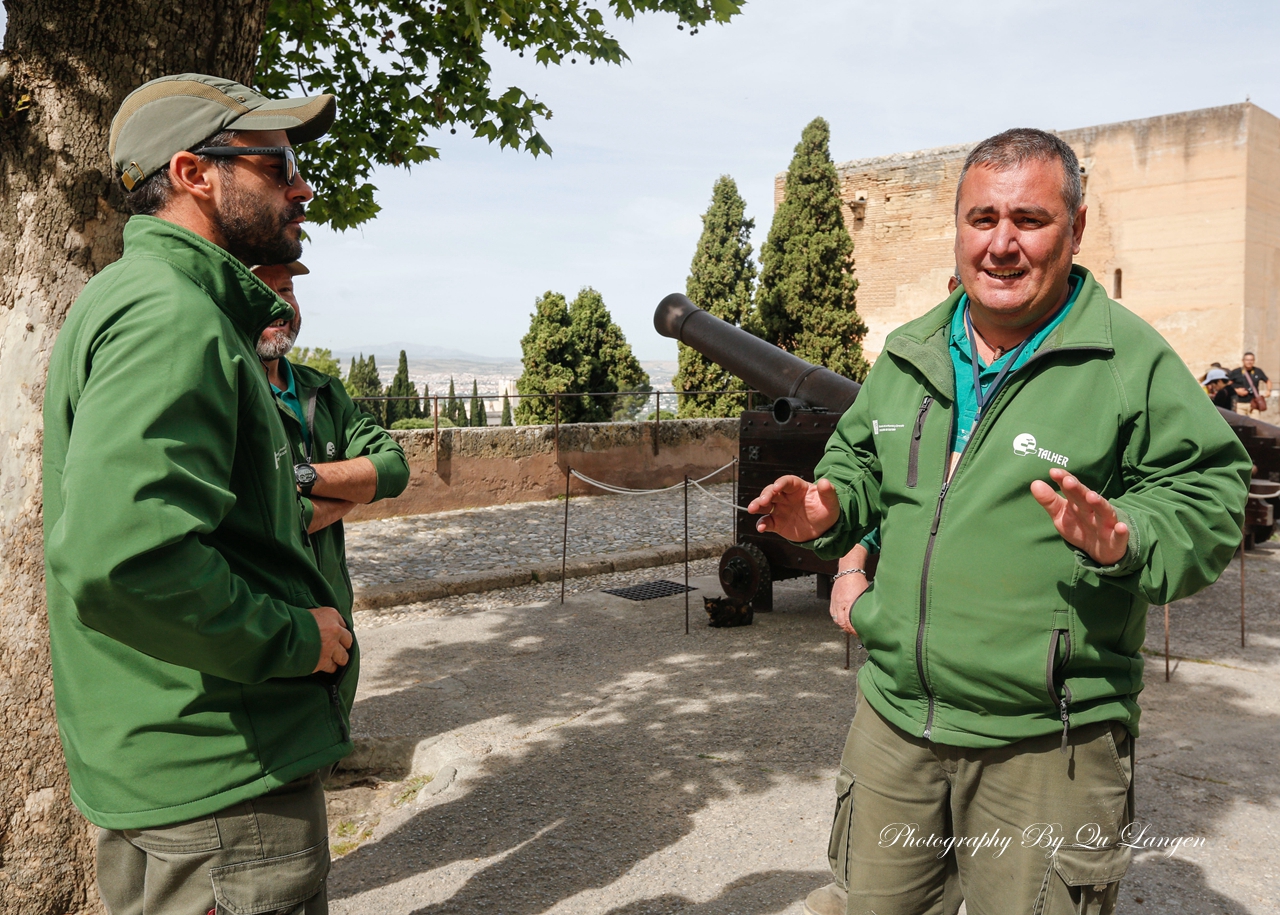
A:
[724, 612]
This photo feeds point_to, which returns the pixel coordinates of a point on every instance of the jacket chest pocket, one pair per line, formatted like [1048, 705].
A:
[913, 449]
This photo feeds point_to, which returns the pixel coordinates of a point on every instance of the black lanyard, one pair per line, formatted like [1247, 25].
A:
[977, 375]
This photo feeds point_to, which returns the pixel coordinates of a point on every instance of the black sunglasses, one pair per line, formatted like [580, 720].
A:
[290, 160]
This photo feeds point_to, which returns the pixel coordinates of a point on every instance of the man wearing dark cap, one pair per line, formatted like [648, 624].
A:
[344, 458]
[201, 672]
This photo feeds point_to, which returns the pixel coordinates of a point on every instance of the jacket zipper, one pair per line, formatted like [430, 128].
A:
[1051, 680]
[933, 533]
[336, 701]
[924, 572]
[913, 460]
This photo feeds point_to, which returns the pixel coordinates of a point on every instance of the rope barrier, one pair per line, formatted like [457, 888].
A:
[715, 498]
[623, 491]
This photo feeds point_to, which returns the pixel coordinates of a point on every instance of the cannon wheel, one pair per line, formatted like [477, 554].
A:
[745, 576]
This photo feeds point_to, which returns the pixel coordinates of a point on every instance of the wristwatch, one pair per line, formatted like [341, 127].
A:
[305, 476]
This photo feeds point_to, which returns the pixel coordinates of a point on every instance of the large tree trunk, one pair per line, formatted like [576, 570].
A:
[60, 222]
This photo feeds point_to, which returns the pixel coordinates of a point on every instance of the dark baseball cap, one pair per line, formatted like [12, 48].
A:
[173, 113]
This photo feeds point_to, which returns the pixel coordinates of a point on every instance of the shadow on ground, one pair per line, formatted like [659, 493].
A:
[619, 766]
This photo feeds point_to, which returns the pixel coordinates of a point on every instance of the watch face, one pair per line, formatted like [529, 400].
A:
[304, 474]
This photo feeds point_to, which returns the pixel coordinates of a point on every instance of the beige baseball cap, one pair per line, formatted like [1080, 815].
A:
[295, 268]
[173, 113]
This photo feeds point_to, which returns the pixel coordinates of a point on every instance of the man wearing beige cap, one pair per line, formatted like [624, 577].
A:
[342, 458]
[202, 675]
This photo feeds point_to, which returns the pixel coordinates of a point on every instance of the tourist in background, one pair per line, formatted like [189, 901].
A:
[1252, 387]
[1218, 386]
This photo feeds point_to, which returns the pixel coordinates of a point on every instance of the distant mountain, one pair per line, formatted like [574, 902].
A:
[416, 351]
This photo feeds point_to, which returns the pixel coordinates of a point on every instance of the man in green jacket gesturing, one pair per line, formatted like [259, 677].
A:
[201, 661]
[1041, 466]
[353, 460]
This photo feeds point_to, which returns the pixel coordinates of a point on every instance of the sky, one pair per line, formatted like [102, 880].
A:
[464, 245]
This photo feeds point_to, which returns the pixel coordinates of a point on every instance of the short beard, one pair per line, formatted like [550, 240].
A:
[253, 232]
[280, 344]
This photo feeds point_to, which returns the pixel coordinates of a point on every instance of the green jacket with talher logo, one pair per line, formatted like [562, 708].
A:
[340, 431]
[177, 567]
[984, 626]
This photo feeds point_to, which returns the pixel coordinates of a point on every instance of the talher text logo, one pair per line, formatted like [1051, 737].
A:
[1025, 445]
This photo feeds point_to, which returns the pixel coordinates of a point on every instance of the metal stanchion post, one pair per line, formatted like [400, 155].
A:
[556, 399]
[1242, 540]
[564, 543]
[686, 554]
[1166, 643]
[435, 413]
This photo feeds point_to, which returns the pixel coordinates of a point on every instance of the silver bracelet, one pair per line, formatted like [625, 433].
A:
[849, 572]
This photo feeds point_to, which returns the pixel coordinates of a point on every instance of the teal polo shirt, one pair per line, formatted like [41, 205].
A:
[289, 397]
[962, 364]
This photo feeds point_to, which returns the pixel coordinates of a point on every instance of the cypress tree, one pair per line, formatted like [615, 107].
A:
[451, 405]
[401, 386]
[806, 302]
[549, 355]
[478, 416]
[721, 280]
[506, 411]
[605, 361]
[363, 381]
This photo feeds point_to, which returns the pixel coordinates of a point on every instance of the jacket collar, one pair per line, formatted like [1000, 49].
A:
[248, 302]
[924, 342]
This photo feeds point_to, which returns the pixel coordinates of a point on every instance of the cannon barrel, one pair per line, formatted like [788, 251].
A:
[774, 372]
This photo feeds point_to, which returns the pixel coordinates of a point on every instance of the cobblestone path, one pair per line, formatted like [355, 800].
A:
[472, 540]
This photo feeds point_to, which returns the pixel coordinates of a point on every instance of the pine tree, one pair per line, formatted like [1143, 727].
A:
[721, 280]
[401, 386]
[605, 362]
[549, 355]
[506, 411]
[319, 359]
[806, 302]
[478, 415]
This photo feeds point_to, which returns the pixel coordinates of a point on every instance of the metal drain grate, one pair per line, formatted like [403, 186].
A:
[649, 590]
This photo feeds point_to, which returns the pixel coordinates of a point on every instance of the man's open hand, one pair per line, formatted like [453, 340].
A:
[1083, 518]
[796, 509]
[335, 639]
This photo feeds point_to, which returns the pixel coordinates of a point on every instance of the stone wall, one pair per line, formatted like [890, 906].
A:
[497, 465]
[1186, 207]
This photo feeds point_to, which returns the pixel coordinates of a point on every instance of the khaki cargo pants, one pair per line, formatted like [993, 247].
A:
[1033, 830]
[267, 855]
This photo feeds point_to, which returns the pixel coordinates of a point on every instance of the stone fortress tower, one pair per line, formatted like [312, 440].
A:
[1183, 228]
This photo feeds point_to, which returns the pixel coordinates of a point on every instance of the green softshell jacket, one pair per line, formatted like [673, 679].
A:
[340, 431]
[984, 626]
[177, 567]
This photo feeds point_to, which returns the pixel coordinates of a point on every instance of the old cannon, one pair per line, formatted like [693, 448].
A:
[807, 401]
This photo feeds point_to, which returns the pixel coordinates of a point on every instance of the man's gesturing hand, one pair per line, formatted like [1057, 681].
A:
[335, 639]
[796, 509]
[1083, 518]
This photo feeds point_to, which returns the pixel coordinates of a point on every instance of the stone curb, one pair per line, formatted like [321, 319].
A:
[384, 597]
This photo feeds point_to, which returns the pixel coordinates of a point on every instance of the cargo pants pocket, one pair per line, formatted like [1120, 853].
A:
[272, 886]
[841, 825]
[1083, 881]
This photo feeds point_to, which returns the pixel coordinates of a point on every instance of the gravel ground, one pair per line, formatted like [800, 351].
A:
[471, 540]
[592, 758]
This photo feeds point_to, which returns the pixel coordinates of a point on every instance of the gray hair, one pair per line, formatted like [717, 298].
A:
[151, 196]
[1025, 144]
